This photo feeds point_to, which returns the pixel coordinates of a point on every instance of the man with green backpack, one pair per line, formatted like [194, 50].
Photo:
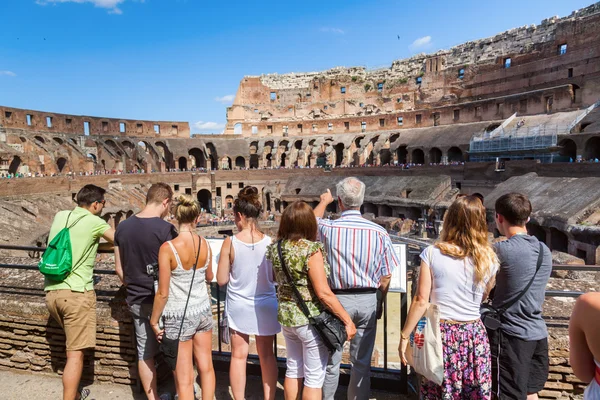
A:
[68, 266]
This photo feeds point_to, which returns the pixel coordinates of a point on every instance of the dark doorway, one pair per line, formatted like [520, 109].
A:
[339, 154]
[455, 154]
[182, 163]
[254, 161]
[60, 163]
[402, 154]
[435, 155]
[205, 199]
[240, 162]
[13, 168]
[418, 157]
[568, 150]
[592, 149]
[198, 157]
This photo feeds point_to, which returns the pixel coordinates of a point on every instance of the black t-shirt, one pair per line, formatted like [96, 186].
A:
[139, 240]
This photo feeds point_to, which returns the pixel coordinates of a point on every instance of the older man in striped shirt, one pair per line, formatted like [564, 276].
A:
[362, 259]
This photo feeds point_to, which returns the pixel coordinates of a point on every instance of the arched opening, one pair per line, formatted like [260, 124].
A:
[212, 154]
[22, 139]
[58, 140]
[402, 154]
[240, 162]
[269, 158]
[205, 199]
[198, 159]
[92, 157]
[418, 157]
[278, 205]
[283, 157]
[435, 155]
[73, 141]
[166, 154]
[182, 164]
[592, 149]
[298, 144]
[369, 208]
[537, 231]
[254, 161]
[229, 202]
[226, 163]
[568, 150]
[385, 211]
[385, 157]
[339, 154]
[13, 168]
[371, 158]
[237, 129]
[455, 155]
[268, 201]
[559, 241]
[60, 163]
[39, 139]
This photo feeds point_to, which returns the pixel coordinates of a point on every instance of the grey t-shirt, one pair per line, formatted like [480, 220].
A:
[518, 260]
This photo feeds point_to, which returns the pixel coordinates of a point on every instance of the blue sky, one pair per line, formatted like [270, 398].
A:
[183, 59]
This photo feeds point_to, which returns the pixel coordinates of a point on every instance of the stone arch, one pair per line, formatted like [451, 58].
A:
[22, 139]
[167, 155]
[128, 145]
[212, 155]
[455, 154]
[254, 160]
[537, 231]
[402, 155]
[298, 144]
[385, 157]
[226, 163]
[417, 156]
[61, 162]
[205, 199]
[237, 129]
[89, 143]
[197, 157]
[229, 201]
[269, 159]
[369, 208]
[58, 140]
[592, 148]
[92, 157]
[182, 164]
[568, 149]
[15, 164]
[253, 147]
[435, 155]
[73, 141]
[39, 139]
[240, 162]
[559, 241]
[283, 160]
[339, 154]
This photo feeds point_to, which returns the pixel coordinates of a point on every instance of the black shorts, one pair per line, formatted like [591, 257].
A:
[519, 367]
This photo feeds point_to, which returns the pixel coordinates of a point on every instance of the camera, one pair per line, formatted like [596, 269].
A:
[152, 270]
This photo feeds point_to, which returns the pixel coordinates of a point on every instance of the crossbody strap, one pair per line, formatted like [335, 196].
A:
[508, 305]
[301, 302]
[191, 285]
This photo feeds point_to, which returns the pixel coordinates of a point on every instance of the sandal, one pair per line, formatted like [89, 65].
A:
[84, 394]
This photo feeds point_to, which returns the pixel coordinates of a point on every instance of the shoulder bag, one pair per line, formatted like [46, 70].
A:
[329, 327]
[224, 333]
[170, 347]
[491, 316]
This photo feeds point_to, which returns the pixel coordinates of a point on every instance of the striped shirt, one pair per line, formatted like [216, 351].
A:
[359, 251]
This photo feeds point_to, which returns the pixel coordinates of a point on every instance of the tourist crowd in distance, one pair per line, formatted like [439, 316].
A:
[318, 267]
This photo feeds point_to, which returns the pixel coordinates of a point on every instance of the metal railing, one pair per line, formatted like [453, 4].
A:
[386, 378]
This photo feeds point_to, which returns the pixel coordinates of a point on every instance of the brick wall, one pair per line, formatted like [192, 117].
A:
[31, 341]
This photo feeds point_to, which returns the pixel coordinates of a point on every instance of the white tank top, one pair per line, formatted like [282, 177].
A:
[251, 275]
[179, 287]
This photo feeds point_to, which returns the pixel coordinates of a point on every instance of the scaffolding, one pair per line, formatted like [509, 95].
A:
[517, 139]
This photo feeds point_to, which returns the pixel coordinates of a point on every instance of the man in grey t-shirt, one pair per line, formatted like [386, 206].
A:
[520, 345]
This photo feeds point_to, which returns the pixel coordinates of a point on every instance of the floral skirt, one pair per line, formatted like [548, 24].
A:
[467, 364]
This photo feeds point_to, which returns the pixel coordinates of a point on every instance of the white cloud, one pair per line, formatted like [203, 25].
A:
[111, 5]
[209, 126]
[7, 73]
[336, 31]
[227, 99]
[421, 43]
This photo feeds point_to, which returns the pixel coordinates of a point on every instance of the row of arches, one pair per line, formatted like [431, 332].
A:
[591, 149]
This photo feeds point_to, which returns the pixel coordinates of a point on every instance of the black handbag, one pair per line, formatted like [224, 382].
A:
[491, 316]
[170, 347]
[329, 327]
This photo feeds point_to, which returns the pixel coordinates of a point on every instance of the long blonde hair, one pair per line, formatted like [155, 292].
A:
[465, 235]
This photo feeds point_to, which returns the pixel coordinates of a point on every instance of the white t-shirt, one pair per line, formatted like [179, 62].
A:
[452, 288]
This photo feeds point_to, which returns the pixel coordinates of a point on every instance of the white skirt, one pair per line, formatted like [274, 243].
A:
[253, 317]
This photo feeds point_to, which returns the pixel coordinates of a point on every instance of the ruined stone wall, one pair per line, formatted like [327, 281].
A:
[467, 83]
[76, 124]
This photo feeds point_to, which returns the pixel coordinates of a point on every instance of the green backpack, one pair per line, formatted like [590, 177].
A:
[57, 261]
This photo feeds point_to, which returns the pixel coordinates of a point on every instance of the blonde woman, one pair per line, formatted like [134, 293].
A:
[457, 275]
[177, 260]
